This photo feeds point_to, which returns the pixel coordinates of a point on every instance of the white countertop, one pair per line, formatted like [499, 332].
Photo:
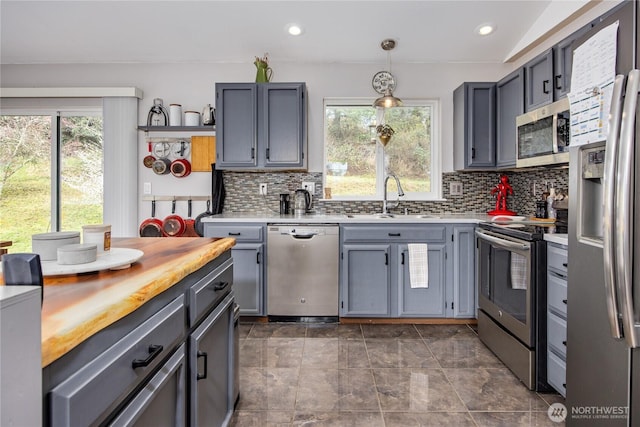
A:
[275, 218]
[559, 238]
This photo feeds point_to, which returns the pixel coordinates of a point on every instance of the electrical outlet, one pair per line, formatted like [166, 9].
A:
[455, 188]
[309, 186]
[263, 189]
[147, 188]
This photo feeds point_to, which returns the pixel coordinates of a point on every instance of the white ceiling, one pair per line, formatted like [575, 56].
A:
[209, 31]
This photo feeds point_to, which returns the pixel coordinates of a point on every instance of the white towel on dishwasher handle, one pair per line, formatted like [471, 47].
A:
[418, 265]
[518, 271]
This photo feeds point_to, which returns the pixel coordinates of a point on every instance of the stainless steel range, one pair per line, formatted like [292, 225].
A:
[512, 298]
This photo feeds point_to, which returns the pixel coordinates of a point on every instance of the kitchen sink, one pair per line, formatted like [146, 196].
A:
[381, 216]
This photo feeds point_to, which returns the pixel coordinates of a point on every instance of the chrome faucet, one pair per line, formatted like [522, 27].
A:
[385, 203]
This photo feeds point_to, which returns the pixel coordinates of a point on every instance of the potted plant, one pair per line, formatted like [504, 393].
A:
[384, 133]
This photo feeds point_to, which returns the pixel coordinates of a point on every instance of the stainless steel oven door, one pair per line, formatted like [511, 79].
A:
[505, 283]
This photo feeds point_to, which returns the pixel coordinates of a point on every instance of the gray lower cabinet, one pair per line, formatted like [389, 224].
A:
[423, 302]
[366, 280]
[375, 280]
[557, 256]
[89, 395]
[463, 270]
[138, 370]
[474, 126]
[248, 263]
[162, 400]
[509, 105]
[211, 368]
[261, 125]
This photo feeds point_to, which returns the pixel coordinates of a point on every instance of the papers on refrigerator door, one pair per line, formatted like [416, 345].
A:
[592, 75]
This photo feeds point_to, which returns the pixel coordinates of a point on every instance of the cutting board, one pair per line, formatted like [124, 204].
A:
[203, 153]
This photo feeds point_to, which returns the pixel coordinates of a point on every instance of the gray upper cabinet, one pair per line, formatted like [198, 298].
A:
[538, 80]
[510, 104]
[261, 125]
[563, 59]
[237, 125]
[474, 133]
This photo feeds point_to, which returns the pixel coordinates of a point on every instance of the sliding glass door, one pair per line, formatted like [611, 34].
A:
[51, 174]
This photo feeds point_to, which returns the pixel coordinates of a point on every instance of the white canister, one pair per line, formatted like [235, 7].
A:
[191, 118]
[175, 115]
[100, 234]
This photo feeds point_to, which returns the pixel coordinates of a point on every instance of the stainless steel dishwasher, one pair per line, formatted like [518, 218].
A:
[302, 272]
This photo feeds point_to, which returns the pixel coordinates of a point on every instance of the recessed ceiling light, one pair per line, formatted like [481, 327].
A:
[485, 29]
[294, 29]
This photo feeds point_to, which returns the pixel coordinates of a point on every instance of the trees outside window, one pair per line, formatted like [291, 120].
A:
[356, 162]
[51, 169]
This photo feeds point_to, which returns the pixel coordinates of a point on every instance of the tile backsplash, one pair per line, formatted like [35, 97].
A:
[242, 189]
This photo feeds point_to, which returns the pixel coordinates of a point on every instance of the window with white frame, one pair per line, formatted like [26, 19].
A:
[357, 163]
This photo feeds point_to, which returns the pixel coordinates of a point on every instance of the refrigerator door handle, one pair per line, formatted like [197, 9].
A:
[624, 213]
[608, 240]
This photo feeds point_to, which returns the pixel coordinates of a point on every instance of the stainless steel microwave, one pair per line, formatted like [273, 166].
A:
[543, 135]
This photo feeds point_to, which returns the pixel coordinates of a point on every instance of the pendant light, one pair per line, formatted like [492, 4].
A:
[387, 100]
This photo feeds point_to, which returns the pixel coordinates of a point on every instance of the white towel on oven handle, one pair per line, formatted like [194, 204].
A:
[418, 265]
[518, 271]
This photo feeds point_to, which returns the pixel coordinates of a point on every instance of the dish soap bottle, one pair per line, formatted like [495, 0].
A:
[551, 211]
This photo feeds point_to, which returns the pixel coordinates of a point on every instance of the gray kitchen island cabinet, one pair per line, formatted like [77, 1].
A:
[248, 263]
[375, 279]
[261, 125]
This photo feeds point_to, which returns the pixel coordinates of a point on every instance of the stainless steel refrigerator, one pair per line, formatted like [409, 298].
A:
[603, 302]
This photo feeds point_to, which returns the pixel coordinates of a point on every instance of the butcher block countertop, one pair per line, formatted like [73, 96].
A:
[78, 306]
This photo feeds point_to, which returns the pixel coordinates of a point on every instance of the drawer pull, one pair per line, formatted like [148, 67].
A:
[394, 234]
[220, 286]
[564, 301]
[154, 351]
[565, 264]
[564, 343]
[234, 234]
[564, 385]
[200, 376]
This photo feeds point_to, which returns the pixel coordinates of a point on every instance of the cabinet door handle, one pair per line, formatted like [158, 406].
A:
[565, 264]
[473, 153]
[559, 81]
[564, 301]
[204, 355]
[267, 154]
[545, 87]
[253, 153]
[402, 261]
[154, 351]
[386, 259]
[394, 234]
[234, 234]
[220, 286]
[257, 257]
[564, 343]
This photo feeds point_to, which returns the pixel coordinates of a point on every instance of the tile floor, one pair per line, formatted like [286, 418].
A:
[378, 375]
